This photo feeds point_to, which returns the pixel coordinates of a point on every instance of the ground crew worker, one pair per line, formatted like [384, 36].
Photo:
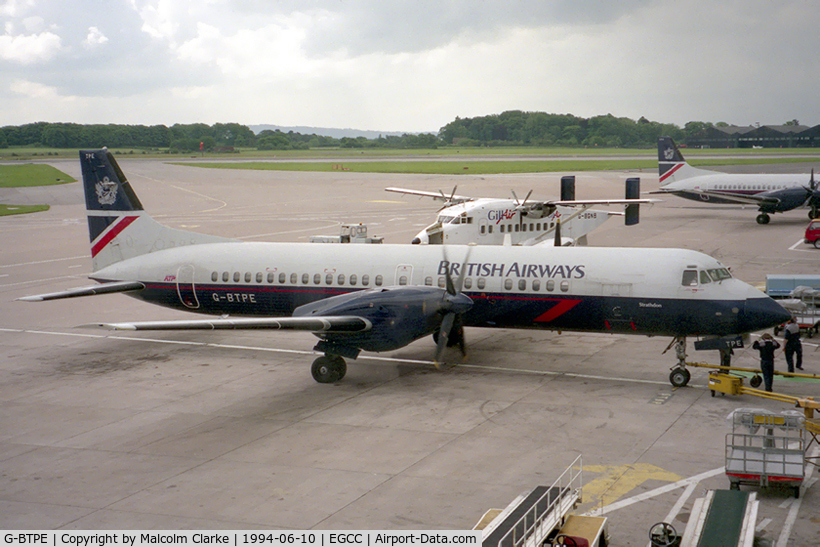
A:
[767, 346]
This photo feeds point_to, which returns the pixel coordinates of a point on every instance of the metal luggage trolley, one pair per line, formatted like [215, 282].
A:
[765, 448]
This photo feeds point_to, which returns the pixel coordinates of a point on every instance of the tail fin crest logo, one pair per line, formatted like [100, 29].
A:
[669, 154]
[106, 191]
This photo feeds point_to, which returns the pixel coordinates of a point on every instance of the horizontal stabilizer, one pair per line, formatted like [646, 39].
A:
[312, 324]
[103, 288]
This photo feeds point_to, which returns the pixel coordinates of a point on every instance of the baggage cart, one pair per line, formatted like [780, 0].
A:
[766, 449]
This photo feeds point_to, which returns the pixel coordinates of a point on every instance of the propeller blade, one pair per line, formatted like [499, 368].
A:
[444, 334]
[557, 232]
[812, 182]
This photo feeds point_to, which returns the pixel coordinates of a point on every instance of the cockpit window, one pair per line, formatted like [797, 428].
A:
[690, 278]
[719, 274]
[704, 277]
[444, 219]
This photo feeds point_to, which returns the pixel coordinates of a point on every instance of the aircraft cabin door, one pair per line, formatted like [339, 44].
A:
[185, 286]
[404, 274]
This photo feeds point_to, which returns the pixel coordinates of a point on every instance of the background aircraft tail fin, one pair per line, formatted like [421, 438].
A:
[118, 226]
[671, 164]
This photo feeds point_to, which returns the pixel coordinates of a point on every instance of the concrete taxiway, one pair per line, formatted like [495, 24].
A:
[228, 430]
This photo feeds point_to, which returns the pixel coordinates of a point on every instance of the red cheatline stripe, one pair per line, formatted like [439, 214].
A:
[557, 310]
[121, 224]
[671, 171]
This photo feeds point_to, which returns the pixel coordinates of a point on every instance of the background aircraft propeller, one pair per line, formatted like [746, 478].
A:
[520, 206]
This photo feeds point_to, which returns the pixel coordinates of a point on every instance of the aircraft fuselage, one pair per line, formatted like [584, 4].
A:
[657, 292]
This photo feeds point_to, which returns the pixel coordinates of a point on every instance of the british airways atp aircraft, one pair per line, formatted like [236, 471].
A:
[382, 297]
[774, 193]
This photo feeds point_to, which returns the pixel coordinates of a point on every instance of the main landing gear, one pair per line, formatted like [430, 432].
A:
[328, 369]
[763, 218]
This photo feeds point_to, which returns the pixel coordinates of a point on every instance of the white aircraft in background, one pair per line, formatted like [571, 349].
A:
[383, 297]
[499, 221]
[770, 193]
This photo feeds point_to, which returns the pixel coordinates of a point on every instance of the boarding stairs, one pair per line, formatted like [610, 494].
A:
[533, 516]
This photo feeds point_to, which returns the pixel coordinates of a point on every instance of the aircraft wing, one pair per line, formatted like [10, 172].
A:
[590, 202]
[441, 196]
[102, 288]
[331, 323]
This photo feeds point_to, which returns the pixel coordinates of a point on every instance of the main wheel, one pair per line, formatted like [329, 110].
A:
[679, 377]
[328, 369]
[756, 381]
[763, 218]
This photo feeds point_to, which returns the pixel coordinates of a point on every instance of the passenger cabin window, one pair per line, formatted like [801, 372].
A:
[428, 281]
[214, 276]
[270, 277]
[550, 285]
[282, 277]
[293, 278]
[378, 281]
[482, 283]
[365, 280]
[690, 278]
[353, 279]
[402, 280]
[341, 279]
[317, 278]
[305, 279]
[247, 277]
[225, 276]
[259, 277]
[508, 284]
[329, 279]
[468, 283]
[236, 277]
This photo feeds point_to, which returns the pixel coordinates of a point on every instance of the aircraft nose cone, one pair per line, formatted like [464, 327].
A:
[762, 313]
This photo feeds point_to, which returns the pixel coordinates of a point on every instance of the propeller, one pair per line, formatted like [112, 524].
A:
[448, 201]
[454, 304]
[519, 205]
[813, 196]
[557, 232]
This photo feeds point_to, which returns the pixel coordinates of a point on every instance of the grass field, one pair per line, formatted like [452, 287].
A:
[6, 210]
[15, 176]
[28, 174]
[475, 167]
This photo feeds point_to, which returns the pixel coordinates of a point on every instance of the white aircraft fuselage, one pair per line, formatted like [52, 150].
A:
[488, 221]
[640, 291]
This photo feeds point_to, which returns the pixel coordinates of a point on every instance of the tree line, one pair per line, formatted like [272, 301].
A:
[511, 128]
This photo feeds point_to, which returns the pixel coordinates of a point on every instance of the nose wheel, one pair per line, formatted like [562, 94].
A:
[328, 369]
[679, 376]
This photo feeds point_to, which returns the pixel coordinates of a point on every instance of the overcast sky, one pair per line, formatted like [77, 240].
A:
[396, 65]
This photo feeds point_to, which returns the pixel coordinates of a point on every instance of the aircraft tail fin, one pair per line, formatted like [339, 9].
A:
[118, 226]
[671, 164]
